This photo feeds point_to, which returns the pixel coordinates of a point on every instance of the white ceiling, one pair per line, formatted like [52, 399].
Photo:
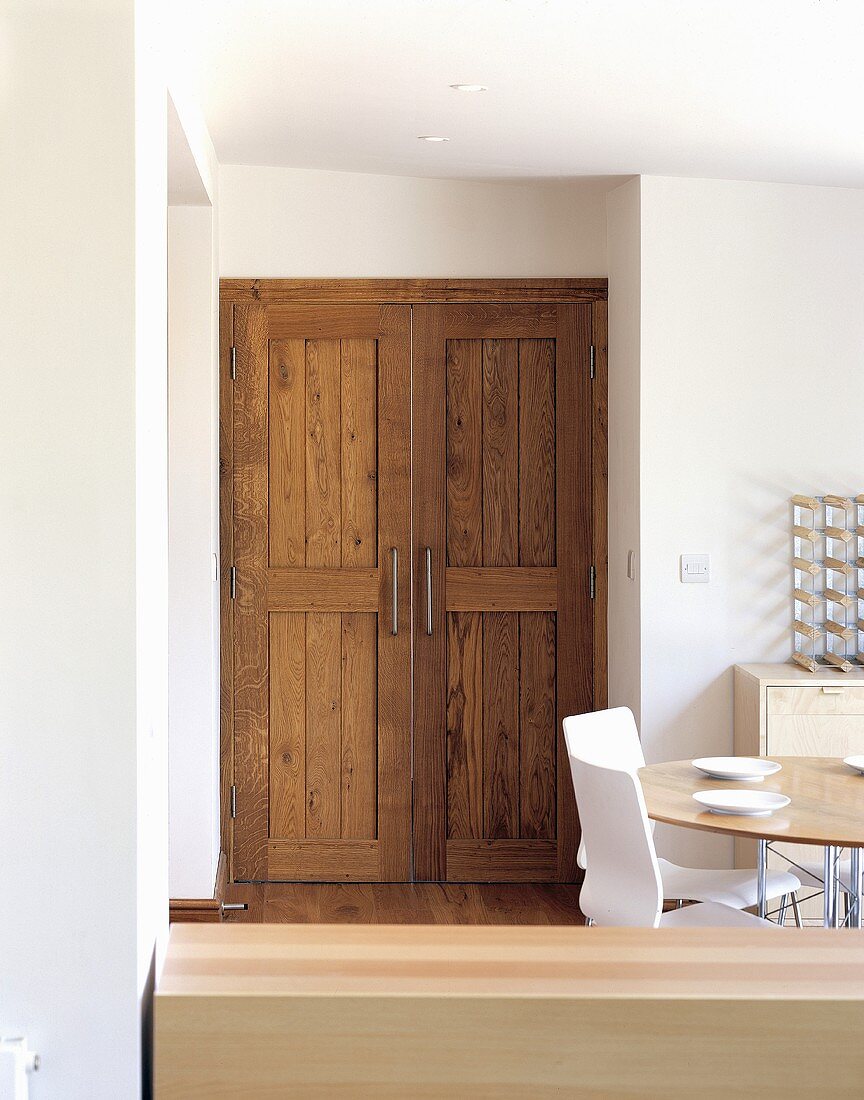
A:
[740, 89]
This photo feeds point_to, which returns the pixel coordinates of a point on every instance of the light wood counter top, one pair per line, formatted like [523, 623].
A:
[394, 1011]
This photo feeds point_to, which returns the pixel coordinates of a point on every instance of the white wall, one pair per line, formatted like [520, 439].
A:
[625, 287]
[193, 496]
[752, 384]
[193, 546]
[284, 222]
[83, 790]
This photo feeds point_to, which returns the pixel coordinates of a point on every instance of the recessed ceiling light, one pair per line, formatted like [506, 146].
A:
[431, 137]
[469, 87]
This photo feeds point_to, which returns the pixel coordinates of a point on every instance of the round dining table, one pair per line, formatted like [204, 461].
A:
[826, 809]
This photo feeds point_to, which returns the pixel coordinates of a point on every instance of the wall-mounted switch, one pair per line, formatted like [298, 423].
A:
[695, 569]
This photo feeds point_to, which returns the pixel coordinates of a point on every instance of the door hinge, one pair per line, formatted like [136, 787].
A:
[592, 582]
[233, 362]
[233, 800]
[593, 369]
[232, 583]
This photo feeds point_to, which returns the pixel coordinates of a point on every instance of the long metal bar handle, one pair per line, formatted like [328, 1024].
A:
[428, 589]
[394, 558]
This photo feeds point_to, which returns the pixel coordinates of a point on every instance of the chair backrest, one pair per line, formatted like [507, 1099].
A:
[606, 737]
[622, 880]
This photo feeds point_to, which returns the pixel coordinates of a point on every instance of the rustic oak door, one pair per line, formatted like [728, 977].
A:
[321, 615]
[503, 555]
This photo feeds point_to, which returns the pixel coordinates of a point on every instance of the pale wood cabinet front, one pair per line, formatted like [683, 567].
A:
[781, 710]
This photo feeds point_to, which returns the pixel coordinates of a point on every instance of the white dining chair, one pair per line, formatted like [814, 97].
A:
[622, 884]
[610, 738]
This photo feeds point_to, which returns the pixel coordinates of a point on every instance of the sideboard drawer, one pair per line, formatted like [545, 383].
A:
[836, 699]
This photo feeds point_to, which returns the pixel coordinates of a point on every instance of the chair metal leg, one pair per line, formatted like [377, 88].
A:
[589, 922]
[781, 912]
[796, 910]
[679, 904]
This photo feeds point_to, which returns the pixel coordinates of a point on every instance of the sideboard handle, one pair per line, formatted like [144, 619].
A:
[832, 691]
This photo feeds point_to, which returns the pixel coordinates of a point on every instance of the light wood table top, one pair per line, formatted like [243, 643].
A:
[827, 804]
[272, 960]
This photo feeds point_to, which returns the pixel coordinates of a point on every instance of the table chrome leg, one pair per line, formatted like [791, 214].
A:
[761, 877]
[855, 897]
[829, 912]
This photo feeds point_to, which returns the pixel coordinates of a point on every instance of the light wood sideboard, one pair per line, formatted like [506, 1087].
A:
[783, 710]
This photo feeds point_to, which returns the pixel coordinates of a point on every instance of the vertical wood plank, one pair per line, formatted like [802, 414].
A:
[323, 454]
[287, 454]
[465, 725]
[226, 560]
[536, 452]
[464, 453]
[537, 733]
[359, 771]
[501, 724]
[600, 491]
[288, 725]
[394, 651]
[323, 723]
[574, 550]
[250, 611]
[359, 457]
[500, 452]
[430, 664]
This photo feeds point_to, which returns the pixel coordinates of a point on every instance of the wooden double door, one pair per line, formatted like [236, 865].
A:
[416, 501]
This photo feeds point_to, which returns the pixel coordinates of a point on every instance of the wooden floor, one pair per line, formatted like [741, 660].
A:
[400, 903]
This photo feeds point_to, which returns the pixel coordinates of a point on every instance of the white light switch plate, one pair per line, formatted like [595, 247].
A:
[695, 569]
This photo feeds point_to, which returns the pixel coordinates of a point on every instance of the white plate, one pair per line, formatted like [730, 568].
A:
[750, 769]
[742, 803]
[856, 762]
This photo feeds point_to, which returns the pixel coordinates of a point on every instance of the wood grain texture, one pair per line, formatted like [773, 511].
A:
[464, 453]
[251, 672]
[323, 321]
[575, 621]
[323, 724]
[407, 903]
[537, 727]
[288, 725]
[323, 454]
[827, 804]
[489, 860]
[500, 452]
[474, 320]
[226, 560]
[412, 291]
[394, 651]
[359, 457]
[600, 500]
[504, 589]
[323, 590]
[313, 1010]
[500, 725]
[465, 795]
[322, 860]
[430, 651]
[287, 423]
[359, 727]
[536, 452]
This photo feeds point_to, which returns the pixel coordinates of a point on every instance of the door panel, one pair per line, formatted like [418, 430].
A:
[322, 685]
[502, 438]
[331, 466]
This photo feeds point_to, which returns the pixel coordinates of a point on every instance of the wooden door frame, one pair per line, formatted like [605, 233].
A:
[411, 292]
